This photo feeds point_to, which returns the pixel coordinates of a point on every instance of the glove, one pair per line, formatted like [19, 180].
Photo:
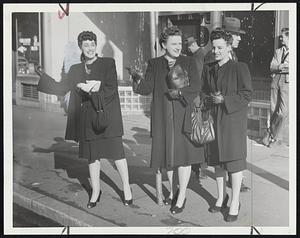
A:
[39, 70]
[217, 99]
[173, 94]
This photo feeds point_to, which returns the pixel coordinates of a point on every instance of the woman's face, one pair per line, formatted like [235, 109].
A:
[88, 48]
[221, 49]
[173, 46]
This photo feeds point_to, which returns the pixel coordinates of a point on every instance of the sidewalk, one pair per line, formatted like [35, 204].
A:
[52, 181]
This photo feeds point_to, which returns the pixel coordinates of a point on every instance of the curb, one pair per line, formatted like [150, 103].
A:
[58, 211]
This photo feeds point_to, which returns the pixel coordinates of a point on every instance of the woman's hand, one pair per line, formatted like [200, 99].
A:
[173, 94]
[217, 99]
[39, 70]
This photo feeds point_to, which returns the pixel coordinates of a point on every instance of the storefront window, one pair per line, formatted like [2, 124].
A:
[27, 42]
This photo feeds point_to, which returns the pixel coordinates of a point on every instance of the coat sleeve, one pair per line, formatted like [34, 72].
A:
[242, 97]
[109, 85]
[275, 62]
[146, 84]
[48, 85]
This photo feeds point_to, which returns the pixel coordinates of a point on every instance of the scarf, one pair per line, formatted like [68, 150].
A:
[171, 61]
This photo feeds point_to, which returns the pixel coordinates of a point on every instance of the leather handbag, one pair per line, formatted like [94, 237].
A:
[202, 126]
[100, 117]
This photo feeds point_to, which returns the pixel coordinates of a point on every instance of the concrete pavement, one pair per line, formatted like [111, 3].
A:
[52, 181]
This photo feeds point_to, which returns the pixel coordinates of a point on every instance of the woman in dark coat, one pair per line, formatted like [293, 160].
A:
[228, 87]
[170, 118]
[87, 81]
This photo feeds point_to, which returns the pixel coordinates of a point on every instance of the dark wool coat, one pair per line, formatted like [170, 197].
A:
[170, 124]
[109, 87]
[234, 81]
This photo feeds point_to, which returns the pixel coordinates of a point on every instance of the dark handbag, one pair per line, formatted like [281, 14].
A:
[202, 126]
[100, 118]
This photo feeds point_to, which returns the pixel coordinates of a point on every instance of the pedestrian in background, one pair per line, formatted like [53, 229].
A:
[170, 117]
[93, 79]
[228, 90]
[279, 92]
[198, 55]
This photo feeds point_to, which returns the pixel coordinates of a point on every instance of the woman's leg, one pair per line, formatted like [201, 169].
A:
[123, 171]
[184, 174]
[170, 178]
[220, 174]
[94, 169]
[236, 179]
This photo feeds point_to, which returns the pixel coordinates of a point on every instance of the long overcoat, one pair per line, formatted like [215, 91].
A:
[109, 87]
[234, 81]
[170, 120]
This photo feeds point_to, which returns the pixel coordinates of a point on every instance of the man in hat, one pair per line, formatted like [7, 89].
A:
[198, 55]
[279, 68]
[233, 26]
[196, 52]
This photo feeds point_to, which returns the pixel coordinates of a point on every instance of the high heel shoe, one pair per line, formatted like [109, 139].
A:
[176, 209]
[232, 218]
[167, 201]
[216, 209]
[171, 201]
[128, 202]
[93, 204]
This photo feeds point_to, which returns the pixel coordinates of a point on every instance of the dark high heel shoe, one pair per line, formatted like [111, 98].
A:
[171, 201]
[216, 209]
[167, 201]
[232, 218]
[93, 204]
[176, 209]
[128, 202]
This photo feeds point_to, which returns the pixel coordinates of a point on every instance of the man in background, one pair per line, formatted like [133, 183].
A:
[279, 92]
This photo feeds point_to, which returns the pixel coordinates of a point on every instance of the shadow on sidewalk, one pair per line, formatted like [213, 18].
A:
[143, 176]
[268, 176]
[66, 157]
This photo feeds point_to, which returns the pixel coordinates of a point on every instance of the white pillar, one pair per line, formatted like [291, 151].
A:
[215, 19]
[46, 55]
[152, 34]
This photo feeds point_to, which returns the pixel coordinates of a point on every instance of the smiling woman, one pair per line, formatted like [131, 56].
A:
[171, 148]
[228, 87]
[94, 89]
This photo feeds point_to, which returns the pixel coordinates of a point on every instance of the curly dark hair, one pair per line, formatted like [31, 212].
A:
[169, 31]
[221, 34]
[86, 35]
